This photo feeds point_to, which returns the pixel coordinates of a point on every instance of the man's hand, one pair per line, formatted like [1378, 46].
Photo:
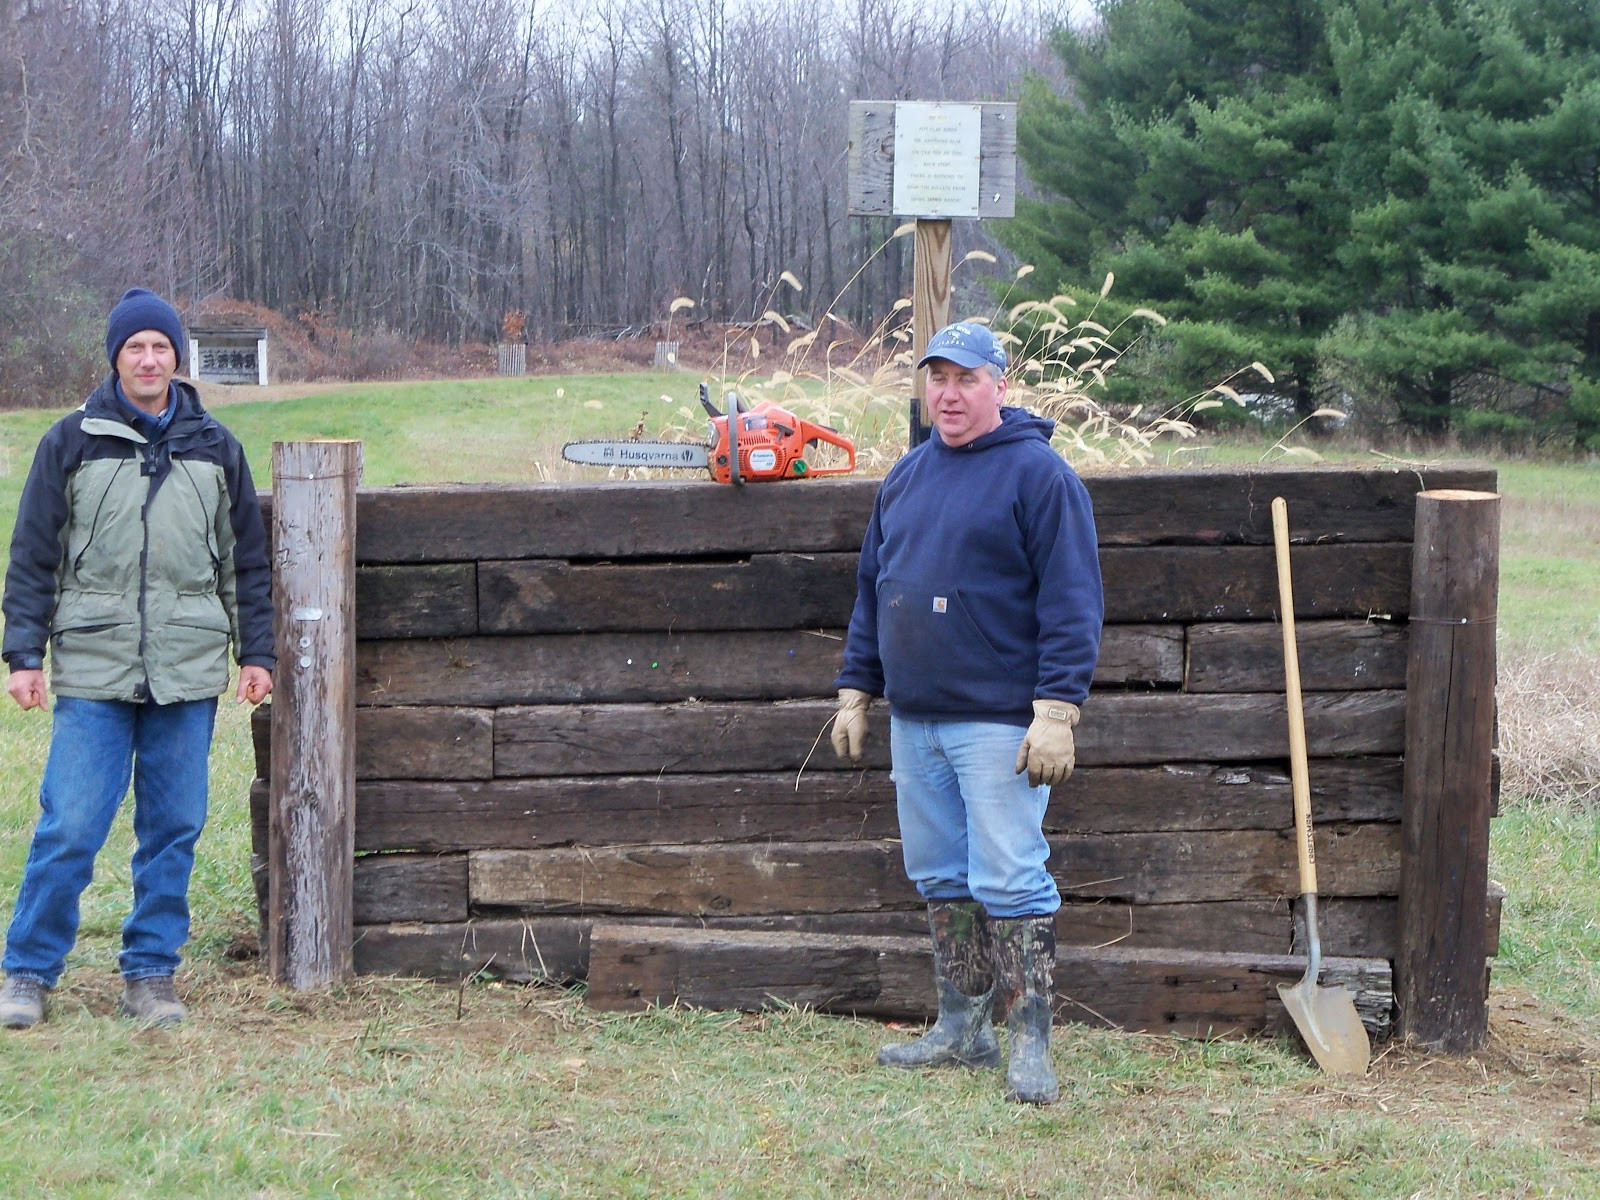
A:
[1047, 751]
[850, 724]
[27, 689]
[255, 685]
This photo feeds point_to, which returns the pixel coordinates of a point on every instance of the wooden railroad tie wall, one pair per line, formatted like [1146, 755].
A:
[590, 745]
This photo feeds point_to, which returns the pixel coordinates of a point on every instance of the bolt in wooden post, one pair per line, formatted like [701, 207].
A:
[1441, 969]
[311, 815]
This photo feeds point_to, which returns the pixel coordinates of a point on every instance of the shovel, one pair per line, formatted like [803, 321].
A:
[1325, 1016]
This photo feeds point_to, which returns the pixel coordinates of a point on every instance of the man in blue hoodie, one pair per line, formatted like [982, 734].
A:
[977, 616]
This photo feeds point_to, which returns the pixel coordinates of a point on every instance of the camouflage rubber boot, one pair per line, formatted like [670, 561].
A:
[1024, 966]
[962, 1036]
[152, 1001]
[22, 1002]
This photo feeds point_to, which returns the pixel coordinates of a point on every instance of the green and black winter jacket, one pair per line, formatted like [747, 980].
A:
[138, 560]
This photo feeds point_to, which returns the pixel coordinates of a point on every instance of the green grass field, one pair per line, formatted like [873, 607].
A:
[393, 1088]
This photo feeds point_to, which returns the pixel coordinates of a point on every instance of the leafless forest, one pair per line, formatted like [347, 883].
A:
[424, 168]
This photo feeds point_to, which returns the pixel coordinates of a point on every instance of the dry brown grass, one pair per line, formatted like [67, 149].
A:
[1550, 723]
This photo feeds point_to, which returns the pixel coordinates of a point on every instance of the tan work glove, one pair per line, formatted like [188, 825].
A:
[850, 724]
[1047, 751]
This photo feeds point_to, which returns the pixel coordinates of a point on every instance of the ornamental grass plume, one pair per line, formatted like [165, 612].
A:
[860, 381]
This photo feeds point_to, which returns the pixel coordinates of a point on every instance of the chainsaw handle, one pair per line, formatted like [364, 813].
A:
[734, 409]
[812, 432]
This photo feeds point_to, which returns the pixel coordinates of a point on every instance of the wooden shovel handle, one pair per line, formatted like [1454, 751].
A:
[1298, 773]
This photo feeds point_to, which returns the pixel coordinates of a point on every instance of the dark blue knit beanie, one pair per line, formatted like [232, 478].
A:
[142, 309]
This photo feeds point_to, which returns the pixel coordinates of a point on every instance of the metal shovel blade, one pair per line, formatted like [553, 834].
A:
[1327, 1020]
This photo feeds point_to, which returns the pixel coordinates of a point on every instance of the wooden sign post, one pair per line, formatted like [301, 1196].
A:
[311, 819]
[1441, 967]
[934, 162]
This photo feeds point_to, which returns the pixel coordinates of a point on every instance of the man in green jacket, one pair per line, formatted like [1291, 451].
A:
[138, 557]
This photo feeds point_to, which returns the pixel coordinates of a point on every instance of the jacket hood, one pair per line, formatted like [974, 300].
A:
[1016, 425]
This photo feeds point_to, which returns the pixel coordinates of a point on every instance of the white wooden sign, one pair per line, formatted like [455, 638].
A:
[228, 355]
[937, 159]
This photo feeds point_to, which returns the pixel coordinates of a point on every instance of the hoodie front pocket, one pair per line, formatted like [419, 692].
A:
[935, 657]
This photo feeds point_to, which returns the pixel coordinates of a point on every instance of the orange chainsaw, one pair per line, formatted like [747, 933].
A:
[745, 445]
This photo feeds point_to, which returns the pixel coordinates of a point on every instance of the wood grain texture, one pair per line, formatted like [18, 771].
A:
[517, 949]
[556, 949]
[1197, 796]
[444, 815]
[761, 591]
[1117, 729]
[579, 668]
[1148, 585]
[424, 743]
[405, 743]
[1192, 993]
[311, 822]
[667, 667]
[623, 809]
[1167, 867]
[1239, 583]
[931, 265]
[471, 523]
[468, 523]
[1233, 507]
[867, 875]
[1441, 963]
[409, 887]
[1126, 728]
[1140, 654]
[1334, 656]
[681, 880]
[1247, 926]
[428, 600]
[1369, 926]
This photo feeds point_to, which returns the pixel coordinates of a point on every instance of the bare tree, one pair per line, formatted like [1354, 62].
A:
[422, 166]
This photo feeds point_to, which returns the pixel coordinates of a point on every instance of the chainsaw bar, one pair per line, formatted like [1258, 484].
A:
[636, 454]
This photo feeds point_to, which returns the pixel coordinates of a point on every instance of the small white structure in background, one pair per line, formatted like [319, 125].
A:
[513, 358]
[228, 355]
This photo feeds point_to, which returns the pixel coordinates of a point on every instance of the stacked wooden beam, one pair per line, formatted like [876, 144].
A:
[607, 704]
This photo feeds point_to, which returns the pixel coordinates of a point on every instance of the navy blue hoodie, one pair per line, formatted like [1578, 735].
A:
[979, 583]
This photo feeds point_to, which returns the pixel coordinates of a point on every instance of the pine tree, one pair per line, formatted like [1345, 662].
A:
[1394, 199]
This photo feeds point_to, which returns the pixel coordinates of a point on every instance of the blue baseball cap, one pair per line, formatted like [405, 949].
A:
[967, 345]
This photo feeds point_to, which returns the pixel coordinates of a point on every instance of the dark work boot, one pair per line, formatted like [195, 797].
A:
[1024, 966]
[152, 1001]
[962, 1036]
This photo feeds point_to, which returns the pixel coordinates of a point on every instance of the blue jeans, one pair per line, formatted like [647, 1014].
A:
[95, 746]
[969, 824]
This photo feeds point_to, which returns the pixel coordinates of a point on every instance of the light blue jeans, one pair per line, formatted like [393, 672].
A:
[95, 747]
[969, 824]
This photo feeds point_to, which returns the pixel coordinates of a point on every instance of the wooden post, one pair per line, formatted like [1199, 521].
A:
[311, 815]
[1441, 968]
[930, 310]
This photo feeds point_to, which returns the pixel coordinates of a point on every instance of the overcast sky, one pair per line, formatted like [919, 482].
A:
[1080, 10]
